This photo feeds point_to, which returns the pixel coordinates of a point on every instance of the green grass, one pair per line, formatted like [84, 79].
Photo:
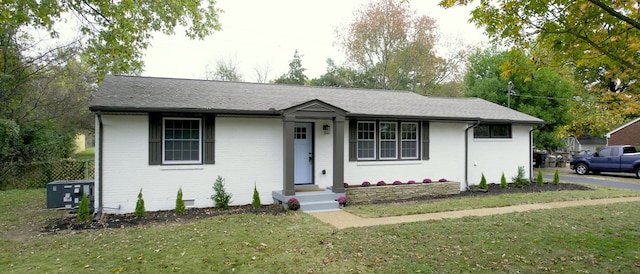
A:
[87, 154]
[594, 239]
[383, 210]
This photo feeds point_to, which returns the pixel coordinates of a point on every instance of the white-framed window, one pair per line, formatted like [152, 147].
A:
[388, 140]
[181, 140]
[409, 140]
[366, 141]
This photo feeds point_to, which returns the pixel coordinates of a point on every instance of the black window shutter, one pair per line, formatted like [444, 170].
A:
[209, 139]
[425, 140]
[155, 138]
[353, 140]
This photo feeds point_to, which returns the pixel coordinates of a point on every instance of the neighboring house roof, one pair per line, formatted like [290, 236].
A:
[621, 127]
[149, 94]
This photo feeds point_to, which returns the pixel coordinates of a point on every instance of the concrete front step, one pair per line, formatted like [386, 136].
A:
[319, 206]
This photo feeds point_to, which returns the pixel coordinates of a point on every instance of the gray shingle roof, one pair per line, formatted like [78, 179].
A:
[134, 93]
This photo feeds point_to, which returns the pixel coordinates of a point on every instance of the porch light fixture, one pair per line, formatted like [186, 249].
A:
[326, 128]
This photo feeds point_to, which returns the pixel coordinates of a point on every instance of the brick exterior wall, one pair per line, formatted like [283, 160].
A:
[629, 135]
[364, 195]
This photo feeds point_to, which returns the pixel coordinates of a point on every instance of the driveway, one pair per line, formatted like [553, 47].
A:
[607, 179]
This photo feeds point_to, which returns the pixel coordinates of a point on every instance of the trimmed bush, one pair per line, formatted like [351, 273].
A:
[519, 180]
[426, 181]
[556, 178]
[381, 183]
[442, 180]
[83, 210]
[365, 184]
[221, 198]
[180, 208]
[503, 182]
[483, 183]
[411, 182]
[256, 198]
[342, 200]
[539, 180]
[140, 211]
[395, 183]
[345, 185]
[293, 204]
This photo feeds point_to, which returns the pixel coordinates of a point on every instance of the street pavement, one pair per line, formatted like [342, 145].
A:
[605, 181]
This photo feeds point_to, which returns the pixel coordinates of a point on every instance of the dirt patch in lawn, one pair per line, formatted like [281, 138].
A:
[68, 222]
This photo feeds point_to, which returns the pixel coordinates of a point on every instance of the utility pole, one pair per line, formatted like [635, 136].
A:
[509, 92]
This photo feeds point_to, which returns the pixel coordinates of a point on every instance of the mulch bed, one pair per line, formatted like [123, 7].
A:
[193, 214]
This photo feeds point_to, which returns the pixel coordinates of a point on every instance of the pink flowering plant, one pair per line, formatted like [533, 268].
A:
[342, 200]
[396, 182]
[411, 182]
[442, 180]
[365, 184]
[381, 183]
[293, 204]
[426, 181]
[346, 185]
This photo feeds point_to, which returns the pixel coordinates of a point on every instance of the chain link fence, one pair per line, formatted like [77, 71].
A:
[38, 175]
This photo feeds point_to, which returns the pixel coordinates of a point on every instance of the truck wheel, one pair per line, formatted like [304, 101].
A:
[582, 169]
[638, 172]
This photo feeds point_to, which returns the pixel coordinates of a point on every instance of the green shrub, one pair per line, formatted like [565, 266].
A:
[519, 180]
[556, 178]
[503, 182]
[83, 211]
[139, 206]
[256, 198]
[221, 198]
[180, 208]
[539, 179]
[483, 183]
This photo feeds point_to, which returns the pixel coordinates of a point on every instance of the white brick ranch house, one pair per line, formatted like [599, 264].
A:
[162, 134]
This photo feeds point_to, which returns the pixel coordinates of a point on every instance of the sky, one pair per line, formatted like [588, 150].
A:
[259, 34]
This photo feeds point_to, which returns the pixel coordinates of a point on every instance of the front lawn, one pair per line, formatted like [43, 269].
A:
[594, 239]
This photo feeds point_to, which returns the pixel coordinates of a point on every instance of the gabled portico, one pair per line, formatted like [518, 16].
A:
[310, 111]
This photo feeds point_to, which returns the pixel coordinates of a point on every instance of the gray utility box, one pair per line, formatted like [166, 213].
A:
[68, 194]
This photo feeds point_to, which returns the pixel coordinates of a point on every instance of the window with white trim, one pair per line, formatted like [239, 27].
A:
[366, 140]
[409, 140]
[388, 140]
[182, 140]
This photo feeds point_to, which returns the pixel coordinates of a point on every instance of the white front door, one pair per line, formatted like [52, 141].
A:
[303, 153]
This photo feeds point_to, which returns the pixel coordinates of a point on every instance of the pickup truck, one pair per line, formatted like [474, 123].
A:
[609, 159]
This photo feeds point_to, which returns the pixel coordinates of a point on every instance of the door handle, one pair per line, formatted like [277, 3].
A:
[310, 157]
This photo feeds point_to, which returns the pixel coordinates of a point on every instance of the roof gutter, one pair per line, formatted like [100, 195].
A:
[100, 149]
[466, 153]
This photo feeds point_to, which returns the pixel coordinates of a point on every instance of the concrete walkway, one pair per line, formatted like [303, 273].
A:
[341, 219]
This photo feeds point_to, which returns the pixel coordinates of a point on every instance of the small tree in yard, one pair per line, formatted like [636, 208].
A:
[139, 206]
[221, 198]
[83, 210]
[539, 180]
[556, 178]
[256, 198]
[519, 180]
[180, 208]
[483, 183]
[503, 182]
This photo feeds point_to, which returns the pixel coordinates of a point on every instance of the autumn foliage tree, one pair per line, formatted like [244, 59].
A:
[394, 45]
[599, 40]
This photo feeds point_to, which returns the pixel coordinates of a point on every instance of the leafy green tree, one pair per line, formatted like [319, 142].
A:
[114, 33]
[539, 179]
[503, 182]
[225, 70]
[556, 178]
[343, 76]
[483, 183]
[295, 76]
[543, 93]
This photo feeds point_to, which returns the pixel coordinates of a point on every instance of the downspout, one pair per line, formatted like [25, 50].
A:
[466, 153]
[100, 144]
[531, 153]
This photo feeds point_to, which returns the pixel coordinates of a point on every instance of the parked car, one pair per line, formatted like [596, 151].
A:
[609, 159]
